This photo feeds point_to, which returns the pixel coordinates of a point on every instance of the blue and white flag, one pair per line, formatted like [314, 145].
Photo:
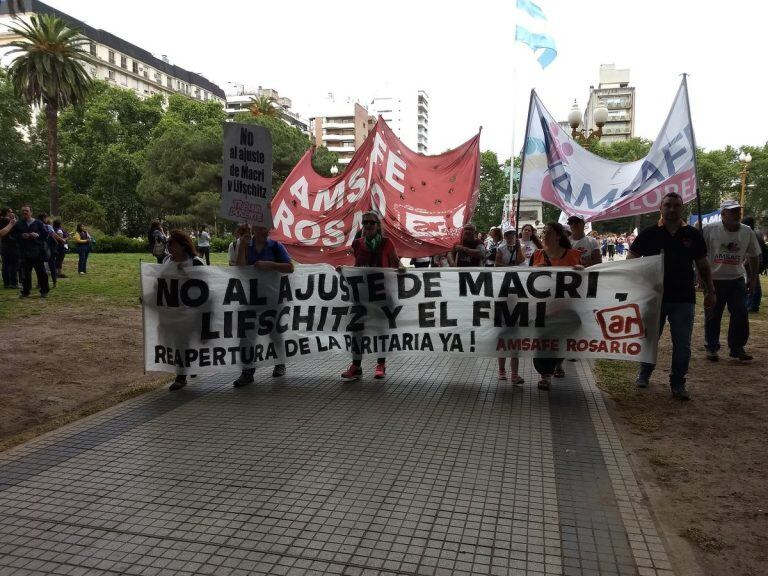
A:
[532, 32]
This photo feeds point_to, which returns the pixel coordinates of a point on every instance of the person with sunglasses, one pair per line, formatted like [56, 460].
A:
[372, 249]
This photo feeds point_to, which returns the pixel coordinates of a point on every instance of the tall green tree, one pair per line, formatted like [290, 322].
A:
[48, 71]
[102, 145]
[20, 177]
[494, 185]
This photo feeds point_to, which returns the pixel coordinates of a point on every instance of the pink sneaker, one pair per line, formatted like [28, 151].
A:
[380, 371]
[352, 373]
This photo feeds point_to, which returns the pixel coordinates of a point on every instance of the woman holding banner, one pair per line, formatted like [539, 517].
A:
[510, 253]
[374, 250]
[182, 253]
[530, 242]
[557, 251]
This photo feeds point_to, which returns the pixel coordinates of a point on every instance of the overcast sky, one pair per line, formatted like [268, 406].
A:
[462, 55]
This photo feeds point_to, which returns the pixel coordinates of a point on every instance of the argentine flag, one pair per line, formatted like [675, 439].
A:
[532, 34]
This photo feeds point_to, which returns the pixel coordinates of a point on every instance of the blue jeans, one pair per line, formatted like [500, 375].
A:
[680, 318]
[731, 293]
[82, 258]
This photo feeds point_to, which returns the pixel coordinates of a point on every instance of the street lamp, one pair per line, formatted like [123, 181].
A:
[582, 136]
[334, 170]
[745, 158]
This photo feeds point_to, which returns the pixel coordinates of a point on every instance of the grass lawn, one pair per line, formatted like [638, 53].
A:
[112, 281]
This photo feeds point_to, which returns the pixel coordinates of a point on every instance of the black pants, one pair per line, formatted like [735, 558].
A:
[28, 264]
[205, 252]
[546, 366]
[10, 268]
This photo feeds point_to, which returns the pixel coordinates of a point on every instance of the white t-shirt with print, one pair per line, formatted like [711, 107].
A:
[529, 247]
[727, 250]
[585, 246]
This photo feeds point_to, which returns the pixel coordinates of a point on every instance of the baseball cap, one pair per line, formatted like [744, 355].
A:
[510, 231]
[730, 205]
[575, 218]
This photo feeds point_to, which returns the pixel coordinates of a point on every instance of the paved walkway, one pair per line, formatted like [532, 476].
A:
[440, 469]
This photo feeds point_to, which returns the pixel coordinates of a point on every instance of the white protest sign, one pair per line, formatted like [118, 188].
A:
[207, 319]
[246, 178]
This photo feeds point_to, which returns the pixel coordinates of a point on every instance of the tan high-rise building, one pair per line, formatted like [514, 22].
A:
[619, 97]
[341, 128]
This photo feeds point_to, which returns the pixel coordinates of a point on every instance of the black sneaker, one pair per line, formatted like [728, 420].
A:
[742, 357]
[245, 378]
[278, 371]
[712, 355]
[679, 392]
[178, 383]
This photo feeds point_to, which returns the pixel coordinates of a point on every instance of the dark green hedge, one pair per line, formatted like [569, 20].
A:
[123, 244]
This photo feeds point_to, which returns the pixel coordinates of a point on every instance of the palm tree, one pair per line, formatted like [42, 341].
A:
[262, 106]
[48, 71]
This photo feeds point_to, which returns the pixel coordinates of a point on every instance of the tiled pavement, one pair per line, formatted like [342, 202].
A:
[440, 469]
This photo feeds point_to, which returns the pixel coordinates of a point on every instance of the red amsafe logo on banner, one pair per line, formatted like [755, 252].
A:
[621, 322]
[424, 200]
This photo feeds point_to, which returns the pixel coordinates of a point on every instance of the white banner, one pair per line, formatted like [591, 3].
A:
[559, 171]
[208, 319]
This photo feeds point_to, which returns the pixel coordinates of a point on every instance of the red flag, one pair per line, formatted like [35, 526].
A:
[424, 200]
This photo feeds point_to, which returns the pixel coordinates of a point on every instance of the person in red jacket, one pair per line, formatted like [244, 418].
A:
[372, 249]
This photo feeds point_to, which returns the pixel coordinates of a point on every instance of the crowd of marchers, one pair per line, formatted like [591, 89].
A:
[723, 259]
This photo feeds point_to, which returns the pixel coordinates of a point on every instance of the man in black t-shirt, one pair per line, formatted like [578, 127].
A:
[683, 246]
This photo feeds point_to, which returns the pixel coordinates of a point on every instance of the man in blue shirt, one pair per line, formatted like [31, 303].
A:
[31, 236]
[255, 248]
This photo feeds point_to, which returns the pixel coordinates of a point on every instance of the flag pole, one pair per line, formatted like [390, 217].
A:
[693, 142]
[522, 162]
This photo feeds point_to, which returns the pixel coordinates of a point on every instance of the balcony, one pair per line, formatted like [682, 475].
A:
[338, 137]
[340, 125]
[341, 149]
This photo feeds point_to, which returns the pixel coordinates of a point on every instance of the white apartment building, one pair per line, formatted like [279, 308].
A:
[340, 127]
[407, 116]
[119, 62]
[241, 100]
[619, 97]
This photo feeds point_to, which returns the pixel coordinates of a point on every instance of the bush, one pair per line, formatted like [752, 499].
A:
[221, 244]
[120, 244]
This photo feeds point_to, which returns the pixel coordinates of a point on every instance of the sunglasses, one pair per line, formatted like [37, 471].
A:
[371, 222]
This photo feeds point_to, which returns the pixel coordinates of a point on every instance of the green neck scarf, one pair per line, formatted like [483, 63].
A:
[373, 243]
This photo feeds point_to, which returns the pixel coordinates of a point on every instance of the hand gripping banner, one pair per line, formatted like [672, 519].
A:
[211, 319]
[424, 200]
[559, 171]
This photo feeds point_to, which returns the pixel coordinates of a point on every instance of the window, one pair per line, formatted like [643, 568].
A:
[93, 48]
[111, 75]
[111, 56]
[169, 82]
[135, 67]
[123, 62]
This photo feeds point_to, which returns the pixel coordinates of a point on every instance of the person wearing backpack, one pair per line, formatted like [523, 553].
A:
[157, 241]
[255, 248]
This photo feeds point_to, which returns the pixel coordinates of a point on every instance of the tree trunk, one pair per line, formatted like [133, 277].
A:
[52, 121]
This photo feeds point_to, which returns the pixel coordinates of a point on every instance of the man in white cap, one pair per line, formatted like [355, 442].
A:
[729, 244]
[586, 245]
